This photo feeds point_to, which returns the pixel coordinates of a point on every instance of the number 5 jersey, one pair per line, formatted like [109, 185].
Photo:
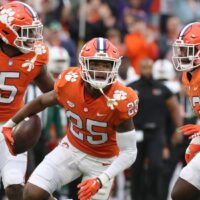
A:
[15, 75]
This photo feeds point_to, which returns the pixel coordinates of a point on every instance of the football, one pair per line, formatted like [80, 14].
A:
[26, 134]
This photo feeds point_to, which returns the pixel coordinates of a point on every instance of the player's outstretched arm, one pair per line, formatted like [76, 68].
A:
[126, 140]
[44, 80]
[35, 106]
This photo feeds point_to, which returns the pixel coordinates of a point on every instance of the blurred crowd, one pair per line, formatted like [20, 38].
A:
[142, 30]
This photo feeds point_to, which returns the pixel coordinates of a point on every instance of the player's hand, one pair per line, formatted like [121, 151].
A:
[88, 188]
[7, 132]
[193, 149]
[191, 130]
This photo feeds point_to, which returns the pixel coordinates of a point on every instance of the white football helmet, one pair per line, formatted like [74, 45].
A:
[163, 69]
[59, 59]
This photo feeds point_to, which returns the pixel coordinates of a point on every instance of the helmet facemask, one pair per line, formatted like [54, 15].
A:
[185, 56]
[99, 78]
[27, 36]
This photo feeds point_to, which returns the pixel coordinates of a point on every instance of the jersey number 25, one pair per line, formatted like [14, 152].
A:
[90, 124]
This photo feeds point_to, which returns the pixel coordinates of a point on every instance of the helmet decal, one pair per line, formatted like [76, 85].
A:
[6, 16]
[101, 44]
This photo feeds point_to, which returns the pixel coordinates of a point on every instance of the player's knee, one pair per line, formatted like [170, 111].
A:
[14, 192]
[32, 192]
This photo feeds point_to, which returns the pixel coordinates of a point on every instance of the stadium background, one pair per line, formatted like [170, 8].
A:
[140, 29]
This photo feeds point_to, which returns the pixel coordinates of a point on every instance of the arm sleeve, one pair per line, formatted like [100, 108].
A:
[128, 151]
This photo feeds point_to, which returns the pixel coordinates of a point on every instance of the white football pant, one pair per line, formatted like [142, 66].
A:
[191, 172]
[12, 168]
[66, 163]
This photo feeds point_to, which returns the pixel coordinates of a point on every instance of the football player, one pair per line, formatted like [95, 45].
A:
[100, 141]
[186, 58]
[23, 57]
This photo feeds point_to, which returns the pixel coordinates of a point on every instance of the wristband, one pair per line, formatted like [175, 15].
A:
[10, 124]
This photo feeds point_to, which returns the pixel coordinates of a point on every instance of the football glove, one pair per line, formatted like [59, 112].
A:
[193, 149]
[88, 188]
[191, 130]
[7, 132]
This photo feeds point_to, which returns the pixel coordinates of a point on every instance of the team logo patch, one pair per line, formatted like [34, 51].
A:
[64, 144]
[40, 49]
[10, 63]
[71, 76]
[119, 95]
[6, 16]
[85, 109]
[70, 104]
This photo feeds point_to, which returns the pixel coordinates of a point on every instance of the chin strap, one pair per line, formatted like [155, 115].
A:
[30, 64]
[111, 102]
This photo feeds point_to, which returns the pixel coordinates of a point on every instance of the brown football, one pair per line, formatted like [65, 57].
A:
[26, 134]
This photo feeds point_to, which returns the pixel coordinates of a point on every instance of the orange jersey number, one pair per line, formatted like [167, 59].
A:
[7, 92]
